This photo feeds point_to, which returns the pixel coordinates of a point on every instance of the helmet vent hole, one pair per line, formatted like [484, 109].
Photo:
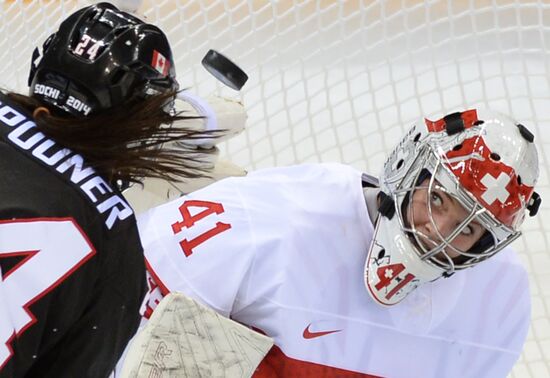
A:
[417, 137]
[494, 156]
[400, 164]
[479, 122]
[519, 180]
[457, 147]
[382, 253]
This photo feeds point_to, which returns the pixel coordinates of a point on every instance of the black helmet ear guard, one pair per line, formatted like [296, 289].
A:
[98, 59]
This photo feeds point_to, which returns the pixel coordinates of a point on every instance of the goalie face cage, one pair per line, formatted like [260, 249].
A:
[342, 81]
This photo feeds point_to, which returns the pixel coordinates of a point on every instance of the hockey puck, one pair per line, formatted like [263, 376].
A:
[224, 70]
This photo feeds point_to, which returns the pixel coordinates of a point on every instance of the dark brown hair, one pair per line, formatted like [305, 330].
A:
[127, 142]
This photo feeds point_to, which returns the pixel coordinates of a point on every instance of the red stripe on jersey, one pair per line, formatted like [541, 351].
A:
[156, 278]
[156, 291]
[277, 364]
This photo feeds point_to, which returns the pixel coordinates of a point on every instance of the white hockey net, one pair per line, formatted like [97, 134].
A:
[342, 80]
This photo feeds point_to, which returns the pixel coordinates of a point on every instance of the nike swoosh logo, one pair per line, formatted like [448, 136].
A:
[311, 335]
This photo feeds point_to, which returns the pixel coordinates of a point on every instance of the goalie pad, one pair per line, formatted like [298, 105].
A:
[186, 339]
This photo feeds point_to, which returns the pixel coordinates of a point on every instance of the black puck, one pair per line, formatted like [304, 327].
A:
[525, 133]
[224, 70]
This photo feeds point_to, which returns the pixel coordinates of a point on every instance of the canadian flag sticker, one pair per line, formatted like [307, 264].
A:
[160, 63]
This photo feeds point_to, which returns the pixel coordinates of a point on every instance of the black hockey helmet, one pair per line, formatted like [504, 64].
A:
[99, 58]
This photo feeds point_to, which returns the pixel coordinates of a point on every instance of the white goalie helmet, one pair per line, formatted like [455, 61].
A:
[478, 161]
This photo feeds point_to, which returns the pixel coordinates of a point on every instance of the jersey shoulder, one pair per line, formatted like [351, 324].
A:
[41, 174]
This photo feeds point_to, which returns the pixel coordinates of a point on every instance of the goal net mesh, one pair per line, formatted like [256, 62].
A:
[342, 80]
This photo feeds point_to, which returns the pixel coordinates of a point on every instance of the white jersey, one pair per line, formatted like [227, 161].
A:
[282, 250]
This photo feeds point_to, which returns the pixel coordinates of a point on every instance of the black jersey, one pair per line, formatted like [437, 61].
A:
[72, 267]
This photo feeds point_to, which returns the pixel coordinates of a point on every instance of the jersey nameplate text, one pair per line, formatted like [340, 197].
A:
[23, 133]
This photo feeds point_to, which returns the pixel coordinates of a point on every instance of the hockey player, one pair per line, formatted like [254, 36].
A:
[355, 277]
[71, 262]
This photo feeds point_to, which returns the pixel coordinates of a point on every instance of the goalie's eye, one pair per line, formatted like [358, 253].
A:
[436, 199]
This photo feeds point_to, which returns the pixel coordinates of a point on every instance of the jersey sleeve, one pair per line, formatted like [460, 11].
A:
[229, 244]
[200, 244]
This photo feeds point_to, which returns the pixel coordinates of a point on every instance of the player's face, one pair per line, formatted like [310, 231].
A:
[446, 215]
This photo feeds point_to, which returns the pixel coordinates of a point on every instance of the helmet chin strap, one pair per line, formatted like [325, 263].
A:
[371, 199]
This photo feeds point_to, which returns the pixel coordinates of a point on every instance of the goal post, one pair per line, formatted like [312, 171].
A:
[342, 80]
